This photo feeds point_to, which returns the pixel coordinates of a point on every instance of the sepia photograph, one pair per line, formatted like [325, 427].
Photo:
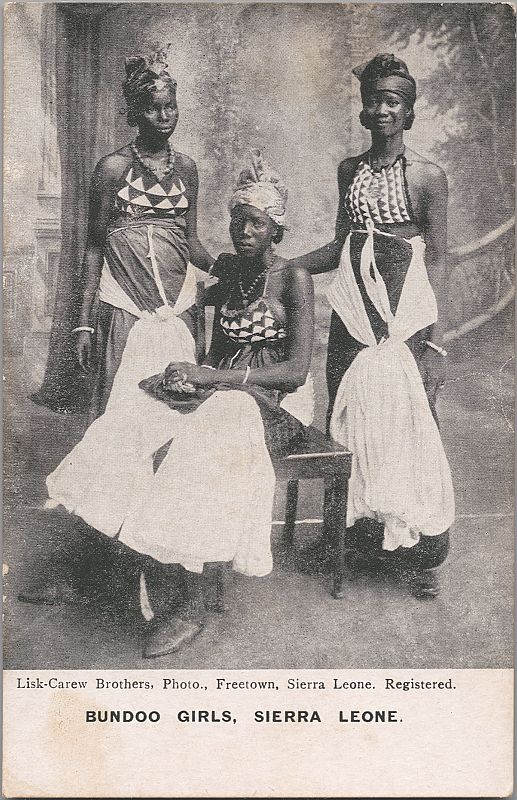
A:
[258, 336]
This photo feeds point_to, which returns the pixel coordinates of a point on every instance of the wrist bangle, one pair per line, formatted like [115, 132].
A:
[247, 374]
[86, 328]
[435, 347]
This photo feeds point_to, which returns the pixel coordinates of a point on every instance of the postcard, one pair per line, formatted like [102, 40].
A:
[258, 399]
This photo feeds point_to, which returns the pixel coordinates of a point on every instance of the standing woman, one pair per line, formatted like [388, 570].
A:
[385, 359]
[142, 229]
[141, 246]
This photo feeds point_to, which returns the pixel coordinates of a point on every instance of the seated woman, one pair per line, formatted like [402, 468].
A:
[210, 499]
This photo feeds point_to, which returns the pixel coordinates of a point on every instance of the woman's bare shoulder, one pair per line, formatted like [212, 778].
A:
[111, 166]
[186, 162]
[295, 278]
[224, 264]
[347, 167]
[424, 166]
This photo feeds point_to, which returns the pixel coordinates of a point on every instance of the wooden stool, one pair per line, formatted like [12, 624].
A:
[319, 457]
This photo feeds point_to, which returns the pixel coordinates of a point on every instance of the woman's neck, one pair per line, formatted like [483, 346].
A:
[151, 144]
[385, 149]
[254, 266]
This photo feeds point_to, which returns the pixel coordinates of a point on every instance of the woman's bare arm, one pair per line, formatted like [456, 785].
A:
[435, 234]
[199, 256]
[218, 344]
[327, 258]
[432, 364]
[102, 188]
[101, 191]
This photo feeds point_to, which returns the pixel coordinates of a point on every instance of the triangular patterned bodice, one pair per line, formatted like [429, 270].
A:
[379, 195]
[253, 324]
[142, 194]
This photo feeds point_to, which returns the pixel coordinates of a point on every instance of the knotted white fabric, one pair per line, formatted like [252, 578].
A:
[400, 474]
[113, 294]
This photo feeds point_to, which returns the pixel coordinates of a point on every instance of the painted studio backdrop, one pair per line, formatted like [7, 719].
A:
[278, 77]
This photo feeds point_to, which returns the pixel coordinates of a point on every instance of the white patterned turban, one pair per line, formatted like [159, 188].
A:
[260, 187]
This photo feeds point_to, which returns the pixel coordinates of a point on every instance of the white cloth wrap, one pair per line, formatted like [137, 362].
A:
[211, 498]
[260, 187]
[400, 474]
[300, 403]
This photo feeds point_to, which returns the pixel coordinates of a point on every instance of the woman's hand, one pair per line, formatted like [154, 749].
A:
[433, 369]
[184, 373]
[84, 350]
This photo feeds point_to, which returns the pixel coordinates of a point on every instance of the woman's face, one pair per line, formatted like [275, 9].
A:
[386, 112]
[251, 230]
[160, 116]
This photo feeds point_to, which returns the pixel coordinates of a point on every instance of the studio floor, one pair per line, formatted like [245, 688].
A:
[288, 619]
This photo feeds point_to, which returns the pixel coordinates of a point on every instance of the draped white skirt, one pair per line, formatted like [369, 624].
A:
[400, 474]
[211, 498]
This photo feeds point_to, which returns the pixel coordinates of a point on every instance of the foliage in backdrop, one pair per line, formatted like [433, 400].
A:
[278, 76]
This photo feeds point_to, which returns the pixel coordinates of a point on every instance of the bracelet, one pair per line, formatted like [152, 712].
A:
[435, 347]
[86, 328]
[246, 376]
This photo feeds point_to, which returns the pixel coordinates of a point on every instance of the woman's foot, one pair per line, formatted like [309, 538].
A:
[173, 629]
[424, 584]
[171, 635]
[52, 593]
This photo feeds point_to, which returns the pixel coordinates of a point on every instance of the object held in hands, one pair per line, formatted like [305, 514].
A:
[179, 395]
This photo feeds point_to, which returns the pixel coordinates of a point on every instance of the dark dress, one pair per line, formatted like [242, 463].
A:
[141, 202]
[392, 257]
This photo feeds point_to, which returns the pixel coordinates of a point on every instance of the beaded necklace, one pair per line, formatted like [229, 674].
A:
[249, 291]
[159, 174]
[384, 166]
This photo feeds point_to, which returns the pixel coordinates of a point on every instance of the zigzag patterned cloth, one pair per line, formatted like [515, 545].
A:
[143, 194]
[379, 196]
[255, 323]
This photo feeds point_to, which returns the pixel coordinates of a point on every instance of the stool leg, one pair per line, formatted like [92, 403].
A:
[338, 527]
[328, 501]
[290, 512]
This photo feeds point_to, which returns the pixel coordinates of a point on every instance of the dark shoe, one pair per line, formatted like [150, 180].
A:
[168, 637]
[424, 584]
[51, 594]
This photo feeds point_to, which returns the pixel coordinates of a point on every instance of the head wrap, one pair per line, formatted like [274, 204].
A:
[260, 187]
[145, 74]
[386, 73]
